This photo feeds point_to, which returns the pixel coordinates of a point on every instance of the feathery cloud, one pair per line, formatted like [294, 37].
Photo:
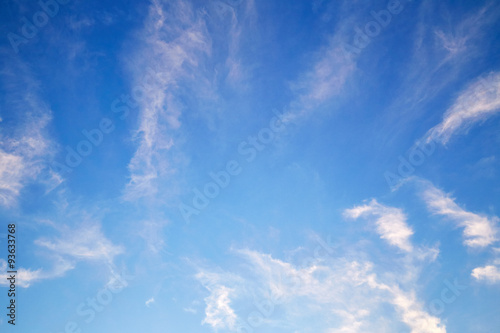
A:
[391, 223]
[348, 292]
[85, 243]
[26, 277]
[170, 47]
[477, 102]
[479, 231]
[322, 81]
[25, 147]
[218, 312]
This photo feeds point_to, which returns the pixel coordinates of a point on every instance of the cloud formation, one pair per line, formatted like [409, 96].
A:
[25, 146]
[85, 243]
[26, 277]
[479, 101]
[489, 273]
[218, 311]
[391, 223]
[479, 231]
[324, 79]
[348, 294]
[170, 47]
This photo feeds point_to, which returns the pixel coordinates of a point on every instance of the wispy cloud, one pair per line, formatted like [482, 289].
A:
[391, 223]
[456, 41]
[150, 301]
[477, 102]
[26, 277]
[463, 39]
[479, 231]
[232, 20]
[152, 233]
[168, 52]
[348, 292]
[414, 315]
[324, 79]
[84, 243]
[183, 50]
[25, 145]
[218, 311]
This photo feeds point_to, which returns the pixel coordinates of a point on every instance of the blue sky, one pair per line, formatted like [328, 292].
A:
[251, 166]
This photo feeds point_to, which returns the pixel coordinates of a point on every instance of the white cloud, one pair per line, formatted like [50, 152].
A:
[26, 277]
[152, 233]
[478, 101]
[85, 243]
[353, 321]
[325, 79]
[190, 310]
[414, 315]
[12, 171]
[391, 223]
[150, 301]
[171, 63]
[324, 284]
[218, 311]
[232, 21]
[348, 294]
[479, 231]
[442, 53]
[453, 44]
[167, 54]
[25, 147]
[490, 274]
[462, 40]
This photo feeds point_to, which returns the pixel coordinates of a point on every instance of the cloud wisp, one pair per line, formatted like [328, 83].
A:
[479, 231]
[172, 44]
[26, 277]
[26, 147]
[82, 244]
[324, 80]
[479, 101]
[347, 293]
[85, 243]
[391, 223]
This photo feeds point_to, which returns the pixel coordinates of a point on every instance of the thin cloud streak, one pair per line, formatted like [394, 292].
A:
[479, 231]
[173, 53]
[84, 244]
[345, 288]
[26, 277]
[391, 223]
[479, 101]
[324, 80]
[440, 54]
[27, 149]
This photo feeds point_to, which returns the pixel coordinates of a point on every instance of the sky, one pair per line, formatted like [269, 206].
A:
[250, 166]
